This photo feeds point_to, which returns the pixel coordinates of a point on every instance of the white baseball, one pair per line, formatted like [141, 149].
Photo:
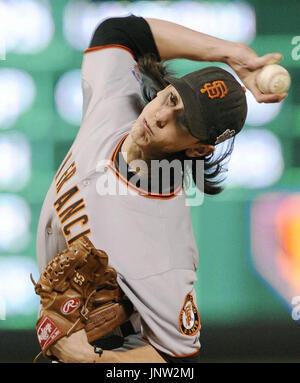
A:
[273, 79]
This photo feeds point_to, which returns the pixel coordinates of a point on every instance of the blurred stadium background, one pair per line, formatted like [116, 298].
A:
[248, 237]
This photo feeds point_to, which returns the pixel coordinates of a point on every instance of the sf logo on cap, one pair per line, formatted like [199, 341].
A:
[215, 89]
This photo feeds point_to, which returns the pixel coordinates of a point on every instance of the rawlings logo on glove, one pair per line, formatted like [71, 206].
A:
[79, 290]
[70, 305]
[47, 332]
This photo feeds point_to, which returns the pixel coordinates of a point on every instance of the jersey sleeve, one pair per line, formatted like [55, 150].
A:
[170, 321]
[108, 73]
[109, 67]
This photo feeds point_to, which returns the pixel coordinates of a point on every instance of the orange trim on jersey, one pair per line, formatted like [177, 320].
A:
[140, 191]
[100, 47]
[172, 356]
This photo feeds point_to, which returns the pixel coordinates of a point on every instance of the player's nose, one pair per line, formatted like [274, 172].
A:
[162, 117]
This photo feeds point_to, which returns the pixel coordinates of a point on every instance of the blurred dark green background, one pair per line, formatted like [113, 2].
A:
[239, 311]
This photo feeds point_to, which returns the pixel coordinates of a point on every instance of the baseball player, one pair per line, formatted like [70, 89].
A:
[104, 188]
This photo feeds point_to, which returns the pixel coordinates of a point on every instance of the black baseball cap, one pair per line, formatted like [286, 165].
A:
[215, 106]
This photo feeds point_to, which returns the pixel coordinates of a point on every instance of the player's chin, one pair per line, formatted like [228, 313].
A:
[140, 136]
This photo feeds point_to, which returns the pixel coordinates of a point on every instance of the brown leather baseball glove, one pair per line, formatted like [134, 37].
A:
[79, 290]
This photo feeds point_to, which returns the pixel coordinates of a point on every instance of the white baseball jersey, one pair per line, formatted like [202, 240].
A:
[148, 238]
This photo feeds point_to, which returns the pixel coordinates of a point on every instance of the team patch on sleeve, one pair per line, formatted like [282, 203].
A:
[189, 318]
[135, 71]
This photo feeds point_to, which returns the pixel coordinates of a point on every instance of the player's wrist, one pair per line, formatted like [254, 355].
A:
[224, 51]
[108, 356]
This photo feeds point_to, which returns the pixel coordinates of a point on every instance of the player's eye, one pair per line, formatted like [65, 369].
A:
[173, 99]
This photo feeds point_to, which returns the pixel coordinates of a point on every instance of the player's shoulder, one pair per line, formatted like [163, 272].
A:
[108, 62]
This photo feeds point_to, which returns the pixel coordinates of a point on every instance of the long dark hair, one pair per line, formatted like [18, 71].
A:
[154, 79]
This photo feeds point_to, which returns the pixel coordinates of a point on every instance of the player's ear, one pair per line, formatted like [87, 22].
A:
[200, 150]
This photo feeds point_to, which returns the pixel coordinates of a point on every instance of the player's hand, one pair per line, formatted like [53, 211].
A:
[246, 64]
[75, 349]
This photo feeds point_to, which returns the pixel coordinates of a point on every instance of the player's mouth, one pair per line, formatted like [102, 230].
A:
[147, 127]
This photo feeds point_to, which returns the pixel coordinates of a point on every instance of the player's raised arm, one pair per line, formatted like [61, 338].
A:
[176, 41]
[167, 40]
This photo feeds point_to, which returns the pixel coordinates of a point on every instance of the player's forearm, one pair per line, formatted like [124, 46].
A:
[145, 354]
[176, 41]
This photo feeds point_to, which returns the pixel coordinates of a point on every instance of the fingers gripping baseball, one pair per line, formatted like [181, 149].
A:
[267, 59]
[247, 64]
[273, 79]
